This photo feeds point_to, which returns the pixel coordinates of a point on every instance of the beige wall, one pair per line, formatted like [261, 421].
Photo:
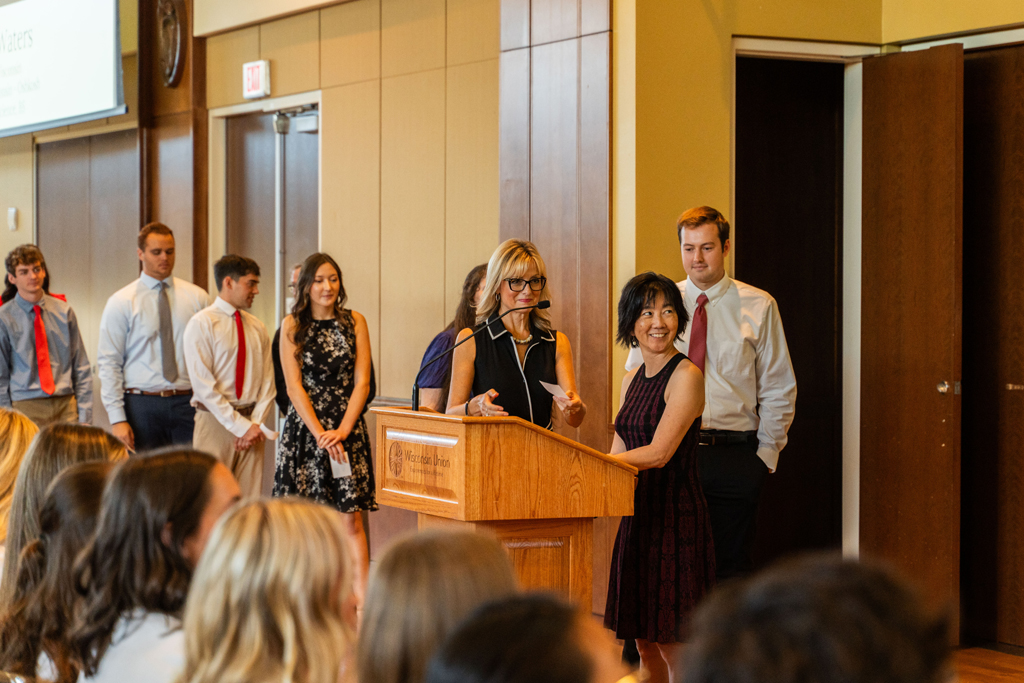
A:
[409, 151]
[910, 19]
[217, 16]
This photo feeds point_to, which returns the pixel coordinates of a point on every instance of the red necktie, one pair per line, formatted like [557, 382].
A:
[698, 350]
[240, 363]
[43, 354]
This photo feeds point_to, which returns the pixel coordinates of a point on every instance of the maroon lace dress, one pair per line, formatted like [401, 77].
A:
[664, 558]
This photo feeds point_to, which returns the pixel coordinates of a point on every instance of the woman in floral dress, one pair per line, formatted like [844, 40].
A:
[325, 353]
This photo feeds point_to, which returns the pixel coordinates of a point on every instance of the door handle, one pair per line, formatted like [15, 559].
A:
[944, 387]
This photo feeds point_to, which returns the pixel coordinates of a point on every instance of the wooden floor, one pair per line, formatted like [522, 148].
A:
[978, 665]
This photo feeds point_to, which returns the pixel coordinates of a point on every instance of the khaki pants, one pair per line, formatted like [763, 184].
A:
[210, 437]
[49, 410]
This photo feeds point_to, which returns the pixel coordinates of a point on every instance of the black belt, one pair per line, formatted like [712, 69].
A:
[721, 437]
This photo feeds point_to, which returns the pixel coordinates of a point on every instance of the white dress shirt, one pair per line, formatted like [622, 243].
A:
[147, 647]
[748, 378]
[211, 353]
[129, 349]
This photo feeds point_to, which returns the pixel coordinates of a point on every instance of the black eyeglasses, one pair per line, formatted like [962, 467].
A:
[518, 284]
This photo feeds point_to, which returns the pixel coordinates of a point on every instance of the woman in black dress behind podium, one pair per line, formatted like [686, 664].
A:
[500, 370]
[664, 559]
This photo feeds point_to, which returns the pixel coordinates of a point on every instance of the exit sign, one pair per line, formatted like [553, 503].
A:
[255, 79]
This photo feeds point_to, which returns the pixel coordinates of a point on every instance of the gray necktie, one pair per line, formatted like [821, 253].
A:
[170, 365]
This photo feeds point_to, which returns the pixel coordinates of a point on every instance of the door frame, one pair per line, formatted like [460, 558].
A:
[852, 56]
[217, 217]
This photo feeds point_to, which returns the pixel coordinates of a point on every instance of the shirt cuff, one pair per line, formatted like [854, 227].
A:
[770, 456]
[116, 415]
[271, 435]
[241, 426]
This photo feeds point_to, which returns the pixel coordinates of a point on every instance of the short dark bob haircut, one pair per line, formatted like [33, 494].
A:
[642, 291]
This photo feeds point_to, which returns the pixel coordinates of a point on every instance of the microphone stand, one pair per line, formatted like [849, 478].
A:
[416, 382]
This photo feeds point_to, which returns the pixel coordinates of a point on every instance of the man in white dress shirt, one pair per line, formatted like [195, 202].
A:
[227, 351]
[144, 381]
[735, 337]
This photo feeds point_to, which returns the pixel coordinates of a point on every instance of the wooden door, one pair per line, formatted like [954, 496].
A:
[911, 315]
[787, 235]
[992, 553]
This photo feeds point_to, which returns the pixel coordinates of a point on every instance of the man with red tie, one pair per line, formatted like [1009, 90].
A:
[44, 370]
[736, 338]
[227, 353]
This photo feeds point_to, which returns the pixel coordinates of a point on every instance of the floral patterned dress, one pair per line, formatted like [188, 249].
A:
[328, 376]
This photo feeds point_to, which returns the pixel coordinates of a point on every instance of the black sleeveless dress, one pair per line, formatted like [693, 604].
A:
[664, 558]
[519, 390]
[328, 376]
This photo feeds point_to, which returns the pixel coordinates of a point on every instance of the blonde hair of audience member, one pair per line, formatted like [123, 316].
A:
[271, 598]
[512, 259]
[40, 615]
[55, 447]
[16, 433]
[423, 586]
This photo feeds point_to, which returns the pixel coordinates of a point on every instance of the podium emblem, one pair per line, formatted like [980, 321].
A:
[395, 459]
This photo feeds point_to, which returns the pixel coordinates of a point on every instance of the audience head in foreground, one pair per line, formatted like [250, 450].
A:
[38, 620]
[271, 597]
[55, 447]
[16, 434]
[156, 516]
[818, 620]
[421, 588]
[527, 639]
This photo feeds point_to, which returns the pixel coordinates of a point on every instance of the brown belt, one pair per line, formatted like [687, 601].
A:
[163, 394]
[244, 411]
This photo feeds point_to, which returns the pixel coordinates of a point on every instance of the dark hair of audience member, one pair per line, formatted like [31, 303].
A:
[422, 587]
[522, 639]
[38, 620]
[23, 255]
[55, 447]
[465, 316]
[642, 291]
[817, 620]
[235, 267]
[302, 309]
[151, 506]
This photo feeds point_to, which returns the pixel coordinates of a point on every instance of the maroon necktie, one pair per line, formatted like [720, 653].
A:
[240, 362]
[699, 333]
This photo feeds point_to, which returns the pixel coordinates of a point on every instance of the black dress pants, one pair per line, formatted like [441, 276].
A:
[159, 421]
[731, 476]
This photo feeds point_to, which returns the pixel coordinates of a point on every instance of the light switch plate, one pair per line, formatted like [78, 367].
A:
[12, 219]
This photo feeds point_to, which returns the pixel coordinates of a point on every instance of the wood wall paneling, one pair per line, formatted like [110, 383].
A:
[473, 32]
[350, 196]
[992, 538]
[169, 172]
[471, 173]
[225, 55]
[911, 303]
[514, 141]
[515, 24]
[412, 36]
[554, 200]
[595, 16]
[593, 354]
[130, 71]
[412, 223]
[552, 20]
[349, 43]
[292, 46]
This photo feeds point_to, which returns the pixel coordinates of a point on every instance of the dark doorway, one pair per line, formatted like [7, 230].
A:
[788, 241]
[992, 521]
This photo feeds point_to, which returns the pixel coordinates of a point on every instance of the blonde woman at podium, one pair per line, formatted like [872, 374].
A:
[664, 559]
[503, 368]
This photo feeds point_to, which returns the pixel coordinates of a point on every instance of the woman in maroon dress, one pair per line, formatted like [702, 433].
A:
[664, 558]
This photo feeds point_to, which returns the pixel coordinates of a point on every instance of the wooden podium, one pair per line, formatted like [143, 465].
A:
[538, 492]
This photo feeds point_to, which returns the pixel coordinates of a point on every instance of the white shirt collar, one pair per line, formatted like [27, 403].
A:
[714, 292]
[224, 307]
[150, 282]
